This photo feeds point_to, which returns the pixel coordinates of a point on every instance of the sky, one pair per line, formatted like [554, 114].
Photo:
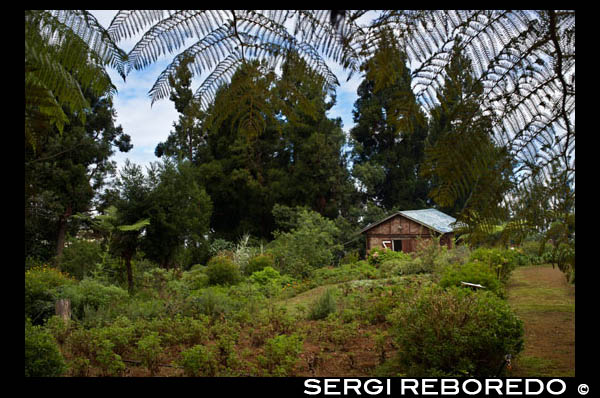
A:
[147, 124]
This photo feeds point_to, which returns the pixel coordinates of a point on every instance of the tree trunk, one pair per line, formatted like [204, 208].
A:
[63, 309]
[62, 231]
[129, 271]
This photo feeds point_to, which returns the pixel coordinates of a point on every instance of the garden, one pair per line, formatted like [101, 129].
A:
[268, 310]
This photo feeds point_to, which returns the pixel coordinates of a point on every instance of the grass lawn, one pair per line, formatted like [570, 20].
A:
[542, 298]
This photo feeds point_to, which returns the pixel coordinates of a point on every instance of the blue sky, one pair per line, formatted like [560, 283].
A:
[148, 125]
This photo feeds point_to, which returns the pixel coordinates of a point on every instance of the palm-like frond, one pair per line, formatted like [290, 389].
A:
[524, 59]
[65, 54]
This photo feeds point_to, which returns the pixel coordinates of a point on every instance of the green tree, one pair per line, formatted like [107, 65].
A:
[179, 211]
[124, 221]
[269, 141]
[317, 174]
[470, 174]
[64, 173]
[388, 138]
[187, 136]
[66, 52]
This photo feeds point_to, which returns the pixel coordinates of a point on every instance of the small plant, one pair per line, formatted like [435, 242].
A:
[472, 272]
[222, 271]
[42, 287]
[149, 350]
[280, 354]
[325, 305]
[455, 332]
[198, 361]
[42, 356]
[80, 367]
[109, 362]
[258, 263]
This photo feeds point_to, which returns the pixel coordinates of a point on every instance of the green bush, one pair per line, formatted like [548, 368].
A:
[472, 272]
[42, 356]
[42, 287]
[378, 255]
[80, 257]
[501, 261]
[258, 263]
[109, 362]
[195, 278]
[280, 354]
[149, 351]
[309, 245]
[214, 301]
[90, 294]
[455, 332]
[198, 361]
[222, 271]
[323, 306]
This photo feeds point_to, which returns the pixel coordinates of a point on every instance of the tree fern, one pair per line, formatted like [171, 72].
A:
[65, 53]
[524, 60]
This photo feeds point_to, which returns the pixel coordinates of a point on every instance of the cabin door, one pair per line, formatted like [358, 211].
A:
[397, 245]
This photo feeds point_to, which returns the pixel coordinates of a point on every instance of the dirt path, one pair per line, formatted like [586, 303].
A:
[542, 298]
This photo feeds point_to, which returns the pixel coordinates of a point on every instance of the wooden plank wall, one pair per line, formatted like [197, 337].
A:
[399, 227]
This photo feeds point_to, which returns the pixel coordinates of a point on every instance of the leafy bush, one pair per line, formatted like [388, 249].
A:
[269, 280]
[455, 332]
[92, 294]
[379, 255]
[198, 361]
[323, 306]
[472, 272]
[309, 245]
[195, 279]
[280, 354]
[258, 263]
[109, 362]
[149, 350]
[501, 261]
[42, 285]
[42, 356]
[214, 301]
[80, 257]
[222, 271]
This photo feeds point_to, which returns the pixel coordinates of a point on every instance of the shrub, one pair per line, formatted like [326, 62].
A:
[42, 285]
[92, 294]
[472, 272]
[214, 301]
[195, 279]
[501, 261]
[310, 244]
[378, 255]
[323, 306]
[455, 332]
[80, 257]
[42, 356]
[109, 362]
[258, 263]
[280, 354]
[198, 361]
[222, 271]
[149, 350]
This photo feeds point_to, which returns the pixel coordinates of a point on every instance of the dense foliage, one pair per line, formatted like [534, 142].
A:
[456, 333]
[238, 254]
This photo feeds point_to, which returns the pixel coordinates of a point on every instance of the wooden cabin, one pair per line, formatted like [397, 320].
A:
[401, 231]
